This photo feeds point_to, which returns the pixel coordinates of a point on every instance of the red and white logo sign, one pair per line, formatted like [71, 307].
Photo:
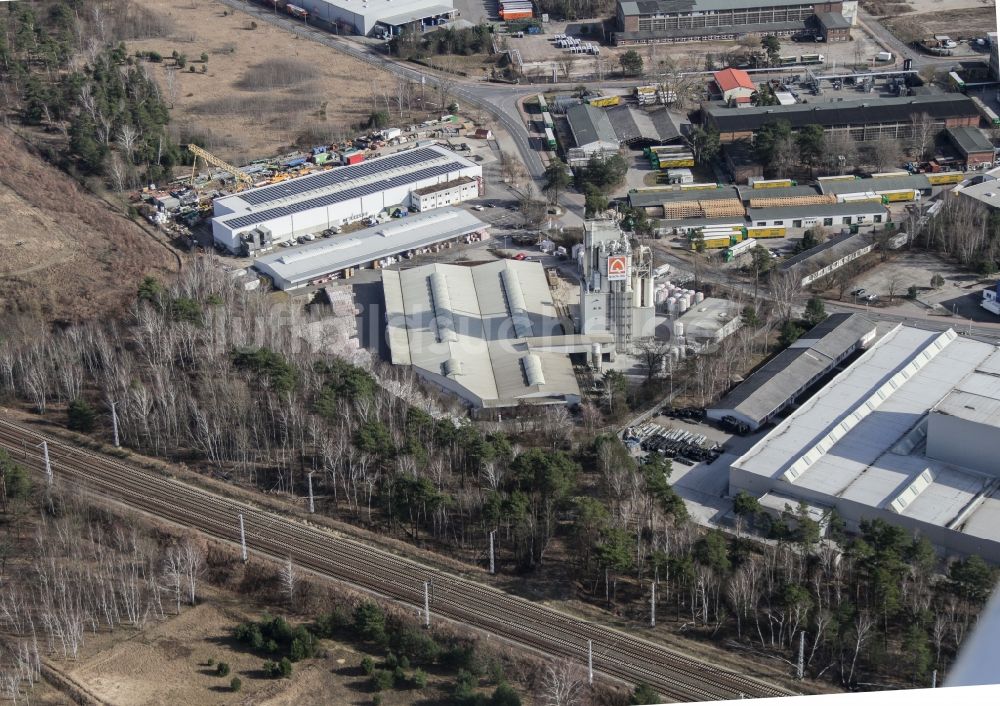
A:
[617, 267]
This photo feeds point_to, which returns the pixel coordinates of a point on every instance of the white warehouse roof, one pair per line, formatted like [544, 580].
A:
[489, 333]
[318, 200]
[909, 433]
[296, 267]
[364, 14]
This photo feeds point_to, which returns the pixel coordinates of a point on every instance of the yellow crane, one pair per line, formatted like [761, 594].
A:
[243, 181]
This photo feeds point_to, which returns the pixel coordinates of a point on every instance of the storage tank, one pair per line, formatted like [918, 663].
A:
[683, 304]
[595, 356]
[672, 306]
[699, 297]
[678, 330]
[661, 296]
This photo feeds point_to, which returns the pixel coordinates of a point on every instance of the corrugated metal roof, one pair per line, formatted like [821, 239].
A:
[773, 385]
[631, 124]
[862, 112]
[823, 210]
[490, 362]
[675, 7]
[970, 140]
[657, 197]
[590, 125]
[863, 186]
[300, 264]
[708, 31]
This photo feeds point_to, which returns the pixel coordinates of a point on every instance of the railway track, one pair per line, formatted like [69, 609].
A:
[516, 620]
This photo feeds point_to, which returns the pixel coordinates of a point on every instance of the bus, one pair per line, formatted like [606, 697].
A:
[812, 59]
[543, 107]
[987, 113]
[550, 139]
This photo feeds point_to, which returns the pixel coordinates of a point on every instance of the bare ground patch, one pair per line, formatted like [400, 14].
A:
[307, 83]
[64, 253]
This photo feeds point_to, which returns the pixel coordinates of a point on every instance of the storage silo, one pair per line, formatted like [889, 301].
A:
[678, 330]
[699, 297]
[672, 306]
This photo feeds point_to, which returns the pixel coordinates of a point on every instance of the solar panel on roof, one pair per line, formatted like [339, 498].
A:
[340, 196]
[264, 194]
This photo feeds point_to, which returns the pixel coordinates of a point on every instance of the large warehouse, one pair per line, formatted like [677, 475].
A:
[487, 333]
[363, 16]
[312, 203]
[776, 385]
[909, 433]
[337, 257]
[656, 21]
[863, 120]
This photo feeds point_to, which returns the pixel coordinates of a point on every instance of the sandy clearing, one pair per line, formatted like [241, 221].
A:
[348, 87]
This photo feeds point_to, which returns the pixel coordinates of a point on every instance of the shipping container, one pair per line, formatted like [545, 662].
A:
[845, 177]
[956, 81]
[987, 113]
[945, 178]
[787, 61]
[865, 197]
[734, 251]
[296, 11]
[547, 120]
[812, 59]
[898, 195]
[891, 175]
[391, 133]
[352, 157]
[543, 107]
[760, 232]
[712, 242]
[770, 183]
[697, 187]
[605, 101]
[675, 162]
[550, 139]
[321, 158]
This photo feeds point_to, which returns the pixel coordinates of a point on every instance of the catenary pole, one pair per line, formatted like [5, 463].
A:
[800, 669]
[243, 538]
[427, 604]
[312, 504]
[590, 661]
[48, 464]
[493, 566]
[652, 606]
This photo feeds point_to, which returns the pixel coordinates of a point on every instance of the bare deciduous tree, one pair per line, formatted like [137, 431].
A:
[562, 684]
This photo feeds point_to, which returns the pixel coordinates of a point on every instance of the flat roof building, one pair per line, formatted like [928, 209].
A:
[656, 21]
[908, 433]
[362, 17]
[829, 214]
[312, 203]
[332, 257]
[862, 119]
[784, 378]
[709, 321]
[488, 333]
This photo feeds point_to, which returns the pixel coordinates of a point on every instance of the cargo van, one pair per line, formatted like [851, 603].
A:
[883, 56]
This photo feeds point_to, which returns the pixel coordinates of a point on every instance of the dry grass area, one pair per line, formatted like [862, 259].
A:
[168, 663]
[264, 89]
[64, 254]
[958, 23]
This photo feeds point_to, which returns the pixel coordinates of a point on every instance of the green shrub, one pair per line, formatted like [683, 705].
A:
[391, 662]
[419, 679]
[210, 662]
[235, 684]
[369, 622]
[222, 669]
[504, 695]
[381, 680]
[285, 667]
[399, 676]
[367, 665]
[80, 416]
[404, 662]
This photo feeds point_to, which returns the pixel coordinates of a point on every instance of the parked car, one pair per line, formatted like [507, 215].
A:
[858, 293]
[479, 207]
[520, 256]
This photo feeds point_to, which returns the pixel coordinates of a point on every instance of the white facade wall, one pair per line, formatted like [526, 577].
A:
[447, 197]
[810, 221]
[823, 272]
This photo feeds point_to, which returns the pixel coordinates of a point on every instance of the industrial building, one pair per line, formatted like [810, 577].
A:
[658, 21]
[907, 433]
[733, 86]
[850, 213]
[827, 257]
[863, 119]
[339, 256]
[257, 219]
[616, 285]
[975, 148]
[488, 333]
[636, 126]
[393, 16]
[777, 384]
[447, 193]
[708, 321]
[593, 134]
